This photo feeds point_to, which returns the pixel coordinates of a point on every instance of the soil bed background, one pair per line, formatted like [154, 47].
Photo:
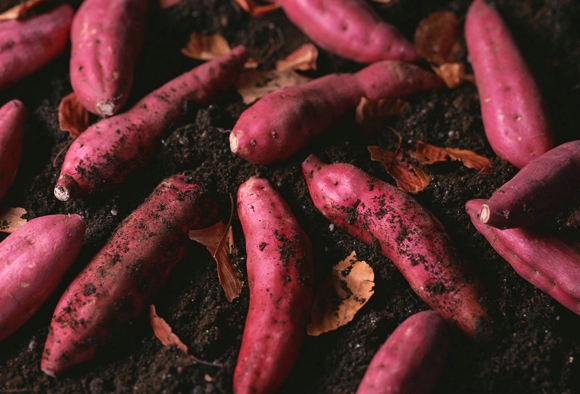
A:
[536, 344]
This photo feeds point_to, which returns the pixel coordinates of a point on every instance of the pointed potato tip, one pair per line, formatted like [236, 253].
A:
[65, 188]
[106, 108]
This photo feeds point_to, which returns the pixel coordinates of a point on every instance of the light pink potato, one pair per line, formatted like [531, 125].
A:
[12, 120]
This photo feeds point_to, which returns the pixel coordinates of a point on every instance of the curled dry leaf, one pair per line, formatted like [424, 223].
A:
[163, 331]
[255, 84]
[11, 219]
[370, 115]
[341, 295]
[165, 4]
[19, 10]
[255, 9]
[219, 239]
[206, 47]
[453, 74]
[304, 59]
[429, 154]
[409, 177]
[72, 116]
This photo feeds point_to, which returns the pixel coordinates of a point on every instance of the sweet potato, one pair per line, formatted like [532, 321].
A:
[411, 360]
[106, 38]
[514, 114]
[543, 259]
[350, 29]
[34, 259]
[407, 233]
[283, 122]
[103, 156]
[280, 278]
[543, 187]
[12, 119]
[125, 273]
[30, 44]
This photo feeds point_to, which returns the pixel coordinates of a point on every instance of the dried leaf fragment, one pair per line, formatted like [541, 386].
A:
[254, 9]
[453, 74]
[304, 59]
[165, 4]
[429, 154]
[341, 295]
[11, 219]
[19, 10]
[409, 177]
[163, 331]
[255, 84]
[219, 239]
[72, 116]
[370, 115]
[206, 47]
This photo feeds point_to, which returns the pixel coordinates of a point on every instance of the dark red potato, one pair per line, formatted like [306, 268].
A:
[12, 120]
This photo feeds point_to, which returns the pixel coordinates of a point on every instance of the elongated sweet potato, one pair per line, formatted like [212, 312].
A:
[543, 187]
[280, 124]
[350, 29]
[280, 278]
[106, 38]
[12, 119]
[109, 150]
[30, 44]
[407, 233]
[411, 360]
[34, 259]
[514, 114]
[544, 260]
[125, 273]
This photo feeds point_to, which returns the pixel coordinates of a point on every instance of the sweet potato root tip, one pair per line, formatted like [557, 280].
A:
[65, 188]
[106, 108]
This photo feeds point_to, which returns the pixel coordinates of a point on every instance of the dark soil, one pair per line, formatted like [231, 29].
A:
[535, 347]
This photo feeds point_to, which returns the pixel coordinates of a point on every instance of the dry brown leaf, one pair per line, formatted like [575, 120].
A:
[19, 10]
[437, 39]
[11, 219]
[163, 331]
[453, 74]
[165, 4]
[410, 178]
[254, 9]
[219, 239]
[340, 296]
[429, 154]
[72, 116]
[255, 84]
[304, 59]
[206, 47]
[370, 115]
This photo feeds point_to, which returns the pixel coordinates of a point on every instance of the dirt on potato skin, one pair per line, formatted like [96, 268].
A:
[535, 347]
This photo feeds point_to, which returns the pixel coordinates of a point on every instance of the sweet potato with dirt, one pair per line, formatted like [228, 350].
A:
[106, 38]
[33, 260]
[411, 360]
[280, 279]
[351, 29]
[130, 268]
[284, 121]
[30, 44]
[543, 187]
[108, 151]
[545, 260]
[408, 234]
[514, 114]
[12, 119]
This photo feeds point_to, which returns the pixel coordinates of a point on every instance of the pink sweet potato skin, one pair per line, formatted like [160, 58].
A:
[350, 29]
[411, 360]
[514, 114]
[284, 121]
[106, 38]
[30, 44]
[407, 233]
[544, 260]
[102, 156]
[12, 119]
[125, 273]
[280, 279]
[33, 260]
[543, 187]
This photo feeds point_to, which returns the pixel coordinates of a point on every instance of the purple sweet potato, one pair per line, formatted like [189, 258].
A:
[12, 119]
[34, 259]
[407, 233]
[284, 121]
[134, 263]
[108, 151]
[106, 38]
[411, 360]
[545, 260]
[30, 44]
[514, 113]
[543, 187]
[280, 278]
[350, 29]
